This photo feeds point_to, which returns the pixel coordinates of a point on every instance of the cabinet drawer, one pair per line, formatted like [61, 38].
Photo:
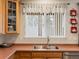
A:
[54, 58]
[47, 54]
[21, 58]
[46, 58]
[38, 58]
[23, 54]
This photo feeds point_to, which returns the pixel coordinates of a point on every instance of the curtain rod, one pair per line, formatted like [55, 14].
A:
[37, 3]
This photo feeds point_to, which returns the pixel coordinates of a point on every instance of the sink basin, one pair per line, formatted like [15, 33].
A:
[45, 47]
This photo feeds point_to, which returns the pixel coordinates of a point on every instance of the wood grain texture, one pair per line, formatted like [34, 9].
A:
[18, 17]
[47, 54]
[2, 16]
[37, 55]
[54, 58]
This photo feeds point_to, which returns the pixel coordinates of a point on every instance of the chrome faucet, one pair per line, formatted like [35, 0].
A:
[48, 39]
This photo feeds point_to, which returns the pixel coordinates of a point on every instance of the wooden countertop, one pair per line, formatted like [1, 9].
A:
[5, 53]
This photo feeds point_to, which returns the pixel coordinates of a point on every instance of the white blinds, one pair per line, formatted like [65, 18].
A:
[45, 19]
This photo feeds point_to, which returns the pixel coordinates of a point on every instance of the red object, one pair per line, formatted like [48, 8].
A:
[73, 29]
[73, 21]
[73, 12]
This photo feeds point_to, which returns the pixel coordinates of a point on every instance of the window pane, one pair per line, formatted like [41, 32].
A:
[31, 26]
[50, 25]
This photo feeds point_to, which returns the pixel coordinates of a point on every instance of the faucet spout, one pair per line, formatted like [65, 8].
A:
[48, 39]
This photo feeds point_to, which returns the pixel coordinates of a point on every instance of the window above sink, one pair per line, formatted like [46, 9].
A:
[42, 20]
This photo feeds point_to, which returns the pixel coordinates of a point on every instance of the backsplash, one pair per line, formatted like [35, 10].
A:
[7, 38]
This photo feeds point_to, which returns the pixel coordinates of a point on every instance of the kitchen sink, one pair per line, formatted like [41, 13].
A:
[45, 47]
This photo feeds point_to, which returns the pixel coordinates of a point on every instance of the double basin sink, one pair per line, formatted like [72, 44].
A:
[45, 47]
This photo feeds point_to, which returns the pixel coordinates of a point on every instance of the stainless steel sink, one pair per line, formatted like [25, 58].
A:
[45, 47]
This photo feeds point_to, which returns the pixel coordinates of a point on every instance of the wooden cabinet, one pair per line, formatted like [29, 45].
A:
[2, 16]
[22, 55]
[38, 55]
[9, 16]
[47, 54]
[38, 58]
[54, 58]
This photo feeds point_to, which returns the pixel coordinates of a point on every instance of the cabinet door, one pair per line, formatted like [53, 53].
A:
[22, 55]
[2, 16]
[12, 16]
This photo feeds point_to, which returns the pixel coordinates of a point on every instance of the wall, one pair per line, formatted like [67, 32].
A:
[70, 38]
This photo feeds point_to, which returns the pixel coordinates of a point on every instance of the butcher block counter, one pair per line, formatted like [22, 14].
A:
[6, 53]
